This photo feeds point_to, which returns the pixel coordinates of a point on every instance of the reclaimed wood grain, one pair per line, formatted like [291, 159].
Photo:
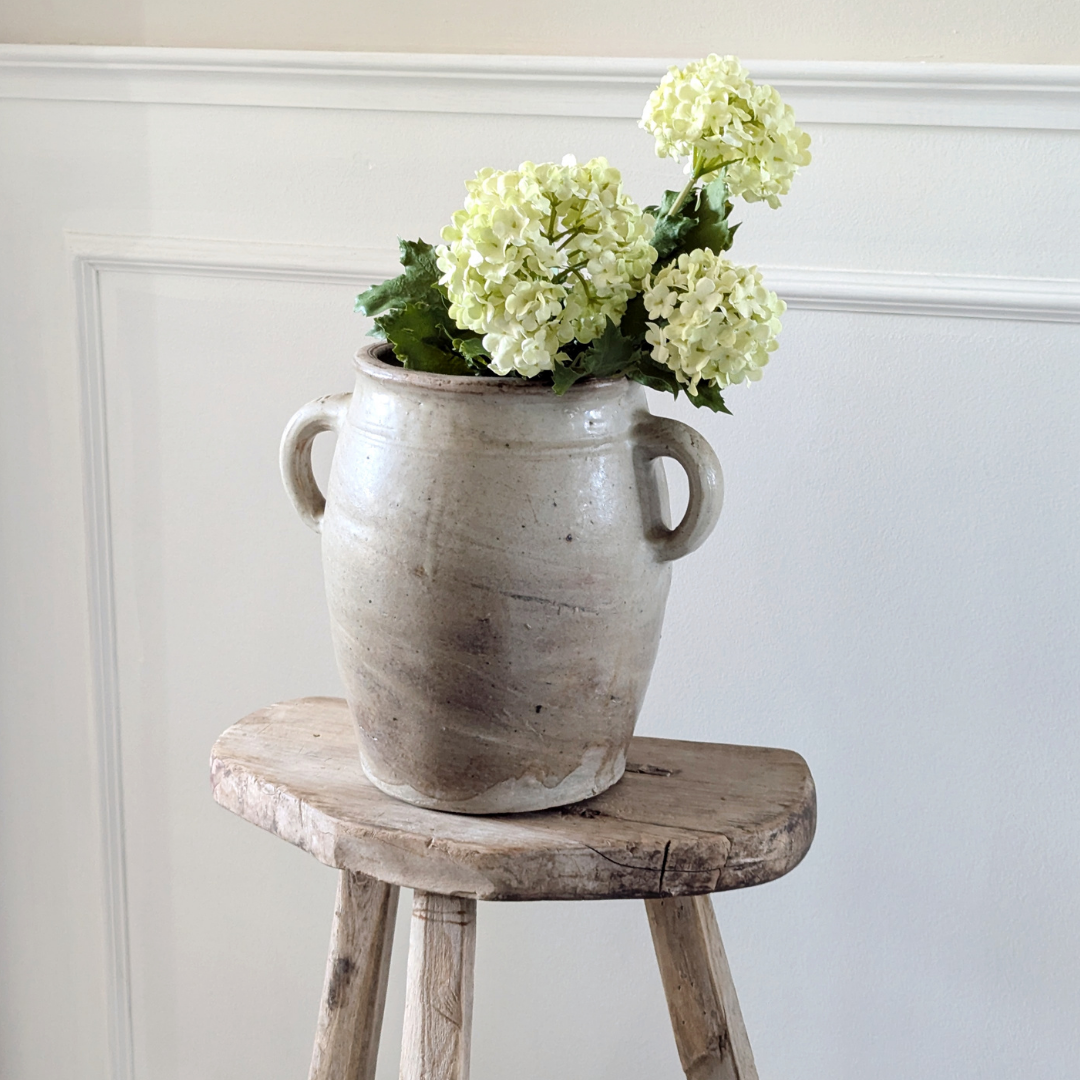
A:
[437, 1034]
[705, 1014]
[687, 818]
[354, 991]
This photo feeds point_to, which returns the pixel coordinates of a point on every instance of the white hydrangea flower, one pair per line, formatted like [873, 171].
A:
[712, 112]
[541, 256]
[711, 320]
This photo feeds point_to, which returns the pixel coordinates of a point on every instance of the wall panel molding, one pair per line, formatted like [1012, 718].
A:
[1026, 96]
[104, 664]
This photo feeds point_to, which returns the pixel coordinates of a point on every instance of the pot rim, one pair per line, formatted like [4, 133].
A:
[367, 360]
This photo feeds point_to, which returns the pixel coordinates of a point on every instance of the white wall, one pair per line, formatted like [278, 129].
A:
[892, 591]
[999, 31]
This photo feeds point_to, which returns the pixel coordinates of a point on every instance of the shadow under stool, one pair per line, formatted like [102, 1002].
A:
[686, 820]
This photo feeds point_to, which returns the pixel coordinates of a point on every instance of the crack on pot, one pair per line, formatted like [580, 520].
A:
[529, 599]
[553, 603]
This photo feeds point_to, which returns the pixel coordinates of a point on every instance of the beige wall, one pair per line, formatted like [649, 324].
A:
[999, 31]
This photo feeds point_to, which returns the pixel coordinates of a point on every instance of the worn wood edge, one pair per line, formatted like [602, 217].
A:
[780, 847]
[449, 867]
[585, 873]
[783, 848]
[313, 831]
[454, 868]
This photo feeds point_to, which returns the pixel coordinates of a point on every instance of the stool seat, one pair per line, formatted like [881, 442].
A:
[687, 818]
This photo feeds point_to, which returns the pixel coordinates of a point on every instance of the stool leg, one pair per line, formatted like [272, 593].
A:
[705, 1014]
[439, 991]
[354, 992]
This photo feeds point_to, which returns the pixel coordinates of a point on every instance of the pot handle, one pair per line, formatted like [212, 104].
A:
[659, 436]
[322, 414]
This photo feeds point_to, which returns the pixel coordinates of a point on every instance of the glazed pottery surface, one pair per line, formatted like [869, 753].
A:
[497, 563]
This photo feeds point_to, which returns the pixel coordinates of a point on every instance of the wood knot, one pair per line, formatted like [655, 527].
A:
[339, 980]
[650, 770]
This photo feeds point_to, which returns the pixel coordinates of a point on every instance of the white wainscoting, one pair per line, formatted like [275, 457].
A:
[951, 187]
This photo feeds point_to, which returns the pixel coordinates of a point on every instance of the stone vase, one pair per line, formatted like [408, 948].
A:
[497, 564]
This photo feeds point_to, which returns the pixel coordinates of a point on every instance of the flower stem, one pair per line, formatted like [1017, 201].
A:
[551, 222]
[584, 284]
[683, 195]
[566, 271]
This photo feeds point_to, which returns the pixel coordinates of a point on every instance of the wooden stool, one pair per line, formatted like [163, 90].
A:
[686, 820]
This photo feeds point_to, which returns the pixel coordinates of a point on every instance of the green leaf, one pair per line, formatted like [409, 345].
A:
[605, 357]
[712, 229]
[563, 377]
[660, 377]
[412, 312]
[635, 322]
[708, 396]
[421, 276]
[670, 231]
[417, 334]
[655, 376]
[471, 346]
[609, 354]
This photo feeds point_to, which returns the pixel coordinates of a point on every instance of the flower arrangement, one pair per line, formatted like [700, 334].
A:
[551, 272]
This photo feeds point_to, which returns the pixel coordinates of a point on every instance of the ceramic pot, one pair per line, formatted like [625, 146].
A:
[497, 564]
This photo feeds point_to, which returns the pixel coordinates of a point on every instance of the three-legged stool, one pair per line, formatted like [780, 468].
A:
[686, 820]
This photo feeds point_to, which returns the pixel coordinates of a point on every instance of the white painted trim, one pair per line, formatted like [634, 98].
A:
[1026, 96]
[94, 255]
[945, 295]
[104, 665]
[233, 258]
